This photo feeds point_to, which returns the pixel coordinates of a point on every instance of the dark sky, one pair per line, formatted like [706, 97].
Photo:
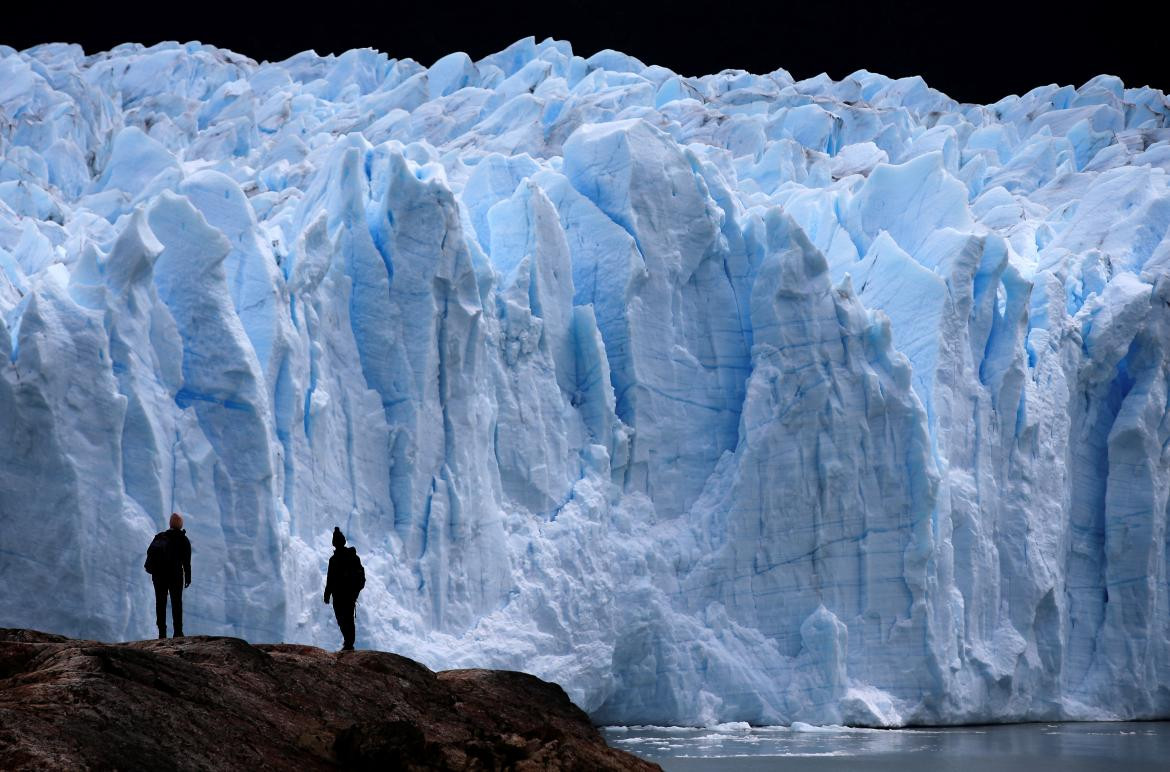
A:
[974, 51]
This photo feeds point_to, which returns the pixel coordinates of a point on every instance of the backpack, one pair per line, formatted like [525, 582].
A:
[353, 576]
[158, 558]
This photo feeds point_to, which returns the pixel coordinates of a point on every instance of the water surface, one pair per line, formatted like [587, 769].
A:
[1119, 747]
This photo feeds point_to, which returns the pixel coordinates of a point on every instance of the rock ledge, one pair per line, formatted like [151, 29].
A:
[220, 703]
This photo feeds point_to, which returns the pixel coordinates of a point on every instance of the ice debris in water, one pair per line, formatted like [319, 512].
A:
[715, 399]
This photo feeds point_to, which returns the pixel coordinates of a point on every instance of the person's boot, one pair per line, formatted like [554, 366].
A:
[162, 633]
[178, 634]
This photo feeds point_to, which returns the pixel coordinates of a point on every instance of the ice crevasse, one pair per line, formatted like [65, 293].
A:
[721, 398]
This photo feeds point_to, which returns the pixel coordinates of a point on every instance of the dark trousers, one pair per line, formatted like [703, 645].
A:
[162, 586]
[344, 609]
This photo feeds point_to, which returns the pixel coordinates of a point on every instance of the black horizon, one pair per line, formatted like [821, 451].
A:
[977, 52]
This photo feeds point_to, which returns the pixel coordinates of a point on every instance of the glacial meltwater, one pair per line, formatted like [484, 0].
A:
[1132, 747]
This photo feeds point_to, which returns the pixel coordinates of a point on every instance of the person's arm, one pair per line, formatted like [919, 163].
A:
[187, 561]
[329, 581]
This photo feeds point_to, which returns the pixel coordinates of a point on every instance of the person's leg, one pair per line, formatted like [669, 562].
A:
[160, 606]
[343, 609]
[177, 607]
[339, 614]
[350, 632]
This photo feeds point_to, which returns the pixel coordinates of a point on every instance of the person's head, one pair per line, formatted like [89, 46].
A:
[338, 537]
[176, 520]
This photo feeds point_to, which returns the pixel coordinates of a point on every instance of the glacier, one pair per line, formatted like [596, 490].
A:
[712, 399]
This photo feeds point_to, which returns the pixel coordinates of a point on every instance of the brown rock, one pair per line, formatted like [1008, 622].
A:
[219, 703]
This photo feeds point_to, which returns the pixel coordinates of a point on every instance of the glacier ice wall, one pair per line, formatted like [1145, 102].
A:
[712, 399]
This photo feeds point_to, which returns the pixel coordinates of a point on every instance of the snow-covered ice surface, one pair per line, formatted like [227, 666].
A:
[718, 399]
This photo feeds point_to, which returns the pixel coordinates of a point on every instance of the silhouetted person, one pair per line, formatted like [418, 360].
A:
[168, 561]
[345, 580]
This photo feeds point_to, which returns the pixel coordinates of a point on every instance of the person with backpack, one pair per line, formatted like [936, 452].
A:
[168, 561]
[345, 580]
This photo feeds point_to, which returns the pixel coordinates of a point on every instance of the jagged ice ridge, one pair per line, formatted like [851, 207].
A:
[727, 398]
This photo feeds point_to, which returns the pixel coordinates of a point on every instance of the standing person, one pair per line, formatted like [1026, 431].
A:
[345, 580]
[168, 561]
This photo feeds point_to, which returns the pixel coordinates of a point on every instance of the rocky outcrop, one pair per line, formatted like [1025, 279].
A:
[221, 703]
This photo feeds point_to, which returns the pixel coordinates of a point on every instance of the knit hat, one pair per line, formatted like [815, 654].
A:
[176, 520]
[338, 537]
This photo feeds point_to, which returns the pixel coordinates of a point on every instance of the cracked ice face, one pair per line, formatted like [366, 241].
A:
[727, 398]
